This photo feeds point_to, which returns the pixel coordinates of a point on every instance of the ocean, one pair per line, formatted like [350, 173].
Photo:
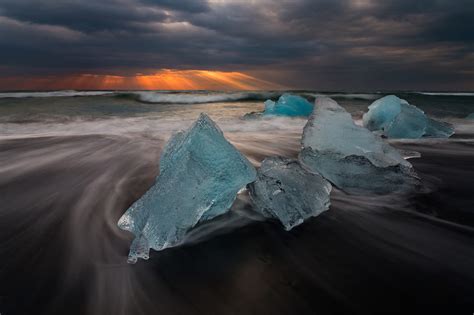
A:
[71, 163]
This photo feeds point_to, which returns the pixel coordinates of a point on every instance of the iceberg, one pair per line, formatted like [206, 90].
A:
[200, 176]
[288, 105]
[351, 157]
[286, 191]
[396, 118]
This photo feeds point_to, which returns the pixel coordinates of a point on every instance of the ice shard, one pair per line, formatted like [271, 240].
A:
[288, 105]
[396, 118]
[200, 176]
[351, 157]
[286, 191]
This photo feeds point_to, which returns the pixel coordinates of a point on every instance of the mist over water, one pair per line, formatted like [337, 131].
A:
[71, 165]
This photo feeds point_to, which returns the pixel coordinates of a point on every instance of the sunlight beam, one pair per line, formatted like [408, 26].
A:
[165, 79]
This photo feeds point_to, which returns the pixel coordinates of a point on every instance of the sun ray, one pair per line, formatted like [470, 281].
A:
[165, 79]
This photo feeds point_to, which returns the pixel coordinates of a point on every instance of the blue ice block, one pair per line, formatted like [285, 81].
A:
[351, 157]
[286, 191]
[200, 176]
[396, 118]
[288, 105]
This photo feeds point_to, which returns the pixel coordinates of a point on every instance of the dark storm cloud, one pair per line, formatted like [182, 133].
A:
[181, 5]
[325, 44]
[86, 16]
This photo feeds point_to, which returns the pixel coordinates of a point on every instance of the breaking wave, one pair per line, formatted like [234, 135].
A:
[446, 93]
[201, 98]
[159, 97]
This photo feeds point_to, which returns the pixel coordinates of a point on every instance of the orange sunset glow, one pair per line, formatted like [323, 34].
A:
[166, 79]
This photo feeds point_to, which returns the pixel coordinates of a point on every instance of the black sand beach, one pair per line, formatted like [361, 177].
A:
[62, 253]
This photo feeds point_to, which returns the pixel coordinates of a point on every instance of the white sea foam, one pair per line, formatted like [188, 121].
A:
[150, 126]
[256, 138]
[168, 97]
[446, 93]
[199, 98]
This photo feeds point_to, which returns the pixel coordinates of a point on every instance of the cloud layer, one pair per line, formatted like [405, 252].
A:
[311, 44]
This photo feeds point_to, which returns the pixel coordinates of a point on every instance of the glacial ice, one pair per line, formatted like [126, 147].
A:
[286, 191]
[200, 176]
[470, 116]
[288, 105]
[396, 118]
[351, 157]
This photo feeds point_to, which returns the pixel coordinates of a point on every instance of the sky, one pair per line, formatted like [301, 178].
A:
[325, 45]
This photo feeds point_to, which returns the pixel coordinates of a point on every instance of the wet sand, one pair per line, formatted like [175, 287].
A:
[62, 253]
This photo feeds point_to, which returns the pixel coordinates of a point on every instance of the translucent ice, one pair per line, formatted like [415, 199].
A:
[286, 191]
[470, 116]
[396, 118]
[351, 157]
[288, 105]
[438, 129]
[200, 176]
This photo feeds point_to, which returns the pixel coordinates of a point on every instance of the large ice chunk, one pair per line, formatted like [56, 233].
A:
[396, 118]
[470, 116]
[200, 176]
[286, 191]
[288, 105]
[351, 157]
